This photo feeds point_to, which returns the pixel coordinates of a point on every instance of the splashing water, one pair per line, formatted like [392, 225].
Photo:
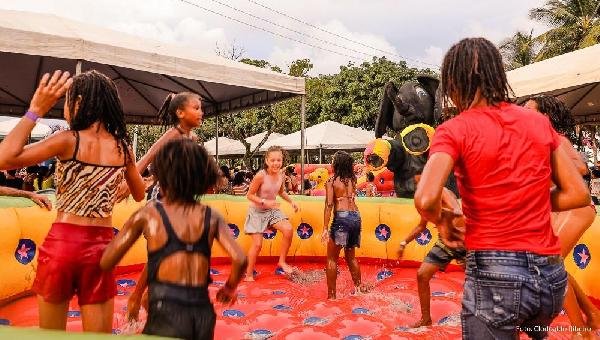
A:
[308, 277]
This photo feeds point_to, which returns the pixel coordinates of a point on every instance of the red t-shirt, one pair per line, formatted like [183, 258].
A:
[502, 166]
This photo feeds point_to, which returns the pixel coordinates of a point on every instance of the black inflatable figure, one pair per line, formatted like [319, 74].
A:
[412, 110]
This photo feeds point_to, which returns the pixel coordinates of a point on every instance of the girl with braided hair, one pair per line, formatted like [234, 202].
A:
[503, 157]
[93, 158]
[344, 232]
[570, 225]
[180, 112]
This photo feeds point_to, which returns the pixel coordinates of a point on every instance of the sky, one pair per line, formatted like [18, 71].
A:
[331, 33]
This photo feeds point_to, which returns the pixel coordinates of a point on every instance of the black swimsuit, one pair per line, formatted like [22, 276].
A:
[177, 310]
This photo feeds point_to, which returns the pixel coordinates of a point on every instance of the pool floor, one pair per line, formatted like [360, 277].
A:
[275, 307]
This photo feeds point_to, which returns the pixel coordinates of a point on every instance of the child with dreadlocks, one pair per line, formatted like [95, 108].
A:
[503, 157]
[578, 220]
[181, 112]
[344, 232]
[93, 158]
[180, 232]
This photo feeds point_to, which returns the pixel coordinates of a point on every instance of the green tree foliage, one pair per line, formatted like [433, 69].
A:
[352, 96]
[574, 24]
[519, 50]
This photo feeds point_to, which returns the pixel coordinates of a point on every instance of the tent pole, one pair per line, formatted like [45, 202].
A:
[217, 141]
[78, 67]
[320, 156]
[302, 128]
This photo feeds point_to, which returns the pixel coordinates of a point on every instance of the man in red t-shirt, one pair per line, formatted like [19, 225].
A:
[505, 158]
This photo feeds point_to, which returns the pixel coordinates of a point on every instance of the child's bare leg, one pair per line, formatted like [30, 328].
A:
[52, 315]
[252, 255]
[349, 254]
[285, 228]
[424, 275]
[98, 317]
[589, 309]
[333, 253]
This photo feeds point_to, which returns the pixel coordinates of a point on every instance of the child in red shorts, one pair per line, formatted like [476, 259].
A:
[93, 158]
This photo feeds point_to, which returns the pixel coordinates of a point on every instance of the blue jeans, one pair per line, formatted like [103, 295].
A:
[506, 292]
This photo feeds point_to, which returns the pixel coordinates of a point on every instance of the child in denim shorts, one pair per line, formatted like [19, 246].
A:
[344, 231]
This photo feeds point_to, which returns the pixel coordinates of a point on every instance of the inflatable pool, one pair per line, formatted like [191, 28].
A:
[274, 306]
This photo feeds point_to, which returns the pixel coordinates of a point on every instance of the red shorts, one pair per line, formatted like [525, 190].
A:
[69, 263]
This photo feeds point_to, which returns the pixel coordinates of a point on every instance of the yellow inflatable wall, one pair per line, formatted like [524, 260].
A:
[386, 221]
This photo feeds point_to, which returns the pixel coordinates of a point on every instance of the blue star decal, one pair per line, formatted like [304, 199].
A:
[25, 251]
[304, 231]
[269, 233]
[383, 232]
[235, 231]
[424, 237]
[582, 256]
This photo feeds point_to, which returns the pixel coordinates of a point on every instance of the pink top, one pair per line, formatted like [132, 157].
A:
[269, 189]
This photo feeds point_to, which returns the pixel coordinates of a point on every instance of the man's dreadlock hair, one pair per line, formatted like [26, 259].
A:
[98, 102]
[168, 111]
[560, 116]
[471, 64]
[343, 167]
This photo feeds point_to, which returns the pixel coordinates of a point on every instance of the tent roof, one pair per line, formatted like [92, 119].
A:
[145, 71]
[39, 130]
[572, 77]
[232, 147]
[224, 145]
[327, 135]
[239, 149]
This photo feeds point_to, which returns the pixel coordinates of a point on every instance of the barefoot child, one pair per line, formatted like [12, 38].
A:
[180, 232]
[94, 156]
[345, 229]
[264, 210]
[438, 257]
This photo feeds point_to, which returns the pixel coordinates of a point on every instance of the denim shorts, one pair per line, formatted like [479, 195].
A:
[441, 255]
[345, 229]
[507, 292]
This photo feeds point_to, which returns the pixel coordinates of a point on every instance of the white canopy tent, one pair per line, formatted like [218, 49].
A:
[233, 147]
[572, 77]
[39, 130]
[238, 149]
[327, 135]
[145, 71]
[225, 144]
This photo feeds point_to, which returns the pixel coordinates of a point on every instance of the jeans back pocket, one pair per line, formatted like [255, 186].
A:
[558, 290]
[497, 302]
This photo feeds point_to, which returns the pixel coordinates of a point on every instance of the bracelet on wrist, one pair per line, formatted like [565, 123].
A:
[32, 116]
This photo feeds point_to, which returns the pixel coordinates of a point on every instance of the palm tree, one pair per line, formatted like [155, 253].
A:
[519, 50]
[574, 24]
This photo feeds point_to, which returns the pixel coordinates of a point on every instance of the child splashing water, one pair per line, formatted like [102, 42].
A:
[264, 210]
[93, 158]
[345, 228]
[446, 249]
[181, 112]
[180, 232]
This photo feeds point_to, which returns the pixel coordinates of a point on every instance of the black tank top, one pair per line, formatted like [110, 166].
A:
[188, 295]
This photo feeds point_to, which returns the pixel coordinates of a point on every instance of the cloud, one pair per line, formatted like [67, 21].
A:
[417, 30]
[326, 62]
